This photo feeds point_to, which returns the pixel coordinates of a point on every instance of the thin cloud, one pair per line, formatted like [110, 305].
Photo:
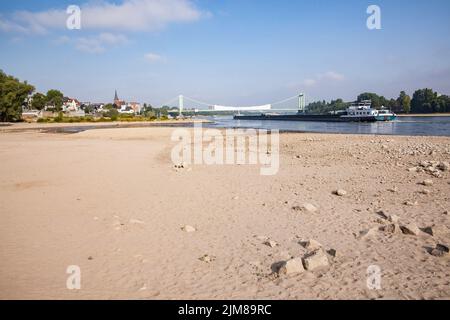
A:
[154, 58]
[331, 75]
[319, 79]
[94, 44]
[130, 15]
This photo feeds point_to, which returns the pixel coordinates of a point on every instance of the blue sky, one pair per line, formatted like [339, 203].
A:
[232, 52]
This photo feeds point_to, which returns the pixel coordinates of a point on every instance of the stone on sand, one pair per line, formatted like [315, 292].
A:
[389, 217]
[444, 166]
[340, 192]
[309, 207]
[271, 243]
[207, 259]
[427, 182]
[428, 230]
[312, 245]
[332, 252]
[292, 266]
[410, 229]
[315, 260]
[440, 250]
[392, 228]
[188, 229]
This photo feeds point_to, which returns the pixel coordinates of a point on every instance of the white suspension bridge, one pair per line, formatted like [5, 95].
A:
[184, 105]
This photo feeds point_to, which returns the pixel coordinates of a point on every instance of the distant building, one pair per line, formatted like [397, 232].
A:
[135, 106]
[126, 108]
[70, 105]
[119, 103]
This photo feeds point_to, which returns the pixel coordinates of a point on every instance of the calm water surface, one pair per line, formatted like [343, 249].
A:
[406, 126]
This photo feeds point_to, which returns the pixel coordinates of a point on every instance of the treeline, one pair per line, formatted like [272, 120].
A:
[14, 95]
[422, 101]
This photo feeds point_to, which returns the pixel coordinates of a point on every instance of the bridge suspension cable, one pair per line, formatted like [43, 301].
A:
[180, 98]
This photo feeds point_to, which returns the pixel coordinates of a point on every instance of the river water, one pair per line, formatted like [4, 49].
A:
[405, 126]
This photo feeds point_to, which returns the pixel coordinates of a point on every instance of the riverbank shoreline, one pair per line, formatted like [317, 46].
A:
[60, 127]
[112, 202]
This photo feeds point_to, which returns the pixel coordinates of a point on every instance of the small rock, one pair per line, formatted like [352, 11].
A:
[427, 183]
[424, 164]
[143, 288]
[311, 245]
[309, 207]
[437, 174]
[445, 212]
[90, 258]
[262, 238]
[413, 169]
[428, 230]
[392, 228]
[389, 217]
[271, 244]
[315, 260]
[425, 191]
[440, 250]
[393, 190]
[292, 266]
[393, 218]
[188, 229]
[411, 204]
[444, 166]
[410, 229]
[207, 259]
[340, 192]
[332, 252]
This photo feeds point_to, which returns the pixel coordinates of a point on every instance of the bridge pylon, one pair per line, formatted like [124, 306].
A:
[181, 104]
[301, 102]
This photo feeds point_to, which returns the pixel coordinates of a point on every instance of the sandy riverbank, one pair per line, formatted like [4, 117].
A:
[111, 202]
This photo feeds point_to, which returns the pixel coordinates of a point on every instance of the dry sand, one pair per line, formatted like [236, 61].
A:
[111, 202]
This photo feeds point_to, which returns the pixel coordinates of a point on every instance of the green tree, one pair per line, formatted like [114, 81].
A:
[55, 98]
[111, 112]
[404, 101]
[13, 95]
[423, 101]
[38, 101]
[88, 109]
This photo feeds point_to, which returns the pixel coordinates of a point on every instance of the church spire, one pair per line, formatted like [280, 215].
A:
[116, 98]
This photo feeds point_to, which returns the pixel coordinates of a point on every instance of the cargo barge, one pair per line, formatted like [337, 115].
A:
[357, 112]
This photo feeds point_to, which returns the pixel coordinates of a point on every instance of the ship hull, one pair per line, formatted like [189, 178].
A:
[303, 117]
[386, 118]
